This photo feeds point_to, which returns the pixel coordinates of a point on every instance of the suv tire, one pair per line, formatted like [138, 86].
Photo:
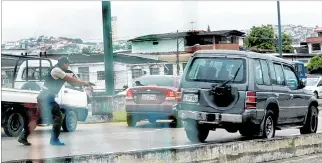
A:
[196, 133]
[269, 125]
[131, 122]
[311, 122]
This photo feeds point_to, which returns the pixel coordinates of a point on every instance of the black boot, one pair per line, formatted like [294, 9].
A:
[23, 139]
[56, 141]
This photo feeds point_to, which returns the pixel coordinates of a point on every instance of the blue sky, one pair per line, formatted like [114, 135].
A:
[83, 19]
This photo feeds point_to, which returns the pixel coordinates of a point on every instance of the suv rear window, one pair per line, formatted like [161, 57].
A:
[216, 70]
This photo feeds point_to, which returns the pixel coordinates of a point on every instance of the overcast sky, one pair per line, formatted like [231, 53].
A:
[83, 19]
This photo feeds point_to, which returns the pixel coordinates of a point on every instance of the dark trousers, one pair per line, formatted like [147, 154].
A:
[48, 107]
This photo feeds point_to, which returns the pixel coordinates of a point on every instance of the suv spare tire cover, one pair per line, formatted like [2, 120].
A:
[208, 97]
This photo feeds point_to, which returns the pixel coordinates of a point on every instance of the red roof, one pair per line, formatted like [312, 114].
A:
[318, 30]
[314, 39]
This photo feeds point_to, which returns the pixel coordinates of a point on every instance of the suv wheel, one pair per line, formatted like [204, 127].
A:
[131, 122]
[196, 133]
[311, 123]
[269, 125]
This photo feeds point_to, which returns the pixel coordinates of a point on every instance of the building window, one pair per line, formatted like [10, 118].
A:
[168, 69]
[100, 75]
[84, 73]
[155, 43]
[316, 47]
[154, 70]
[136, 73]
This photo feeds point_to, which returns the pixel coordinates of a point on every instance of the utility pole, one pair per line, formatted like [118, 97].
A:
[178, 67]
[192, 24]
[108, 47]
[280, 38]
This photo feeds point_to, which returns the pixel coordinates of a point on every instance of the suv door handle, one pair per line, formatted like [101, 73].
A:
[277, 94]
[65, 91]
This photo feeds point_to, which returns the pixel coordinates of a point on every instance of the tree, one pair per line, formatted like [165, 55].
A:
[263, 39]
[286, 44]
[86, 50]
[315, 63]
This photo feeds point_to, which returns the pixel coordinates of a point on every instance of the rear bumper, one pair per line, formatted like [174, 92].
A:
[149, 108]
[204, 117]
[217, 118]
[163, 112]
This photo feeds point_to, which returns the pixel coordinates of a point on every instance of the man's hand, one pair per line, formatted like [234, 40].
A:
[89, 84]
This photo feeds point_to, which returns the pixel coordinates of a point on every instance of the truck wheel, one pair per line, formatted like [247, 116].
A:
[196, 133]
[14, 124]
[131, 121]
[269, 125]
[311, 122]
[70, 122]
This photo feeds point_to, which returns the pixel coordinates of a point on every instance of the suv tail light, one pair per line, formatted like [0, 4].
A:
[178, 95]
[251, 100]
[129, 94]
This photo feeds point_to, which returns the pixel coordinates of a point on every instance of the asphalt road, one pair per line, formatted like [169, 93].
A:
[112, 137]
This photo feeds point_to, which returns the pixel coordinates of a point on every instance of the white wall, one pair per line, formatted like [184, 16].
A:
[162, 46]
[123, 73]
[119, 69]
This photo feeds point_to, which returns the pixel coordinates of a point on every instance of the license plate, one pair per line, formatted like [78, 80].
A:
[147, 97]
[190, 98]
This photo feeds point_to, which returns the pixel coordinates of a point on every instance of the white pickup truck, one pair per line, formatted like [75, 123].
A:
[21, 100]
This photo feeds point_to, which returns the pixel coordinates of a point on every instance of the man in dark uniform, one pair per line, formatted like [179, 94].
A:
[47, 105]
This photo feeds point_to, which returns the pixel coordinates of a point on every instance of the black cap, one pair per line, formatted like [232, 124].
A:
[63, 60]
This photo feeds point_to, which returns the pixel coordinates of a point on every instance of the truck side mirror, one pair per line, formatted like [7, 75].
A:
[301, 84]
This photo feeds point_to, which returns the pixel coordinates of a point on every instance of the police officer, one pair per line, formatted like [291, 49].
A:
[47, 105]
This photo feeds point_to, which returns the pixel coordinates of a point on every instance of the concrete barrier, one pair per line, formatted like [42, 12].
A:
[251, 151]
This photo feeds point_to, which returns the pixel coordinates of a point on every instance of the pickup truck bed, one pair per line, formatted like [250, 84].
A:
[18, 95]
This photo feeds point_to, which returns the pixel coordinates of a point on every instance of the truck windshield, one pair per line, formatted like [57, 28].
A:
[216, 70]
[311, 81]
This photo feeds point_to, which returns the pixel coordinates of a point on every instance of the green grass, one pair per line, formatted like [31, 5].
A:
[119, 116]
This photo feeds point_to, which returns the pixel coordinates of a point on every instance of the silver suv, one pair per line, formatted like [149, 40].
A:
[248, 92]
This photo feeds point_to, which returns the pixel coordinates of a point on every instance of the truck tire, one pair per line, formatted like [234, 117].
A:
[196, 133]
[131, 121]
[70, 121]
[311, 123]
[14, 124]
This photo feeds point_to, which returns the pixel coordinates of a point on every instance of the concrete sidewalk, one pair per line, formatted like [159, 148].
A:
[316, 158]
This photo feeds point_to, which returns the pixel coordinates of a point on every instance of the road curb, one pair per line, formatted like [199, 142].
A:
[251, 151]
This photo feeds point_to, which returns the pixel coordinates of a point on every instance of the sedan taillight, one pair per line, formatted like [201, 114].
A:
[129, 94]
